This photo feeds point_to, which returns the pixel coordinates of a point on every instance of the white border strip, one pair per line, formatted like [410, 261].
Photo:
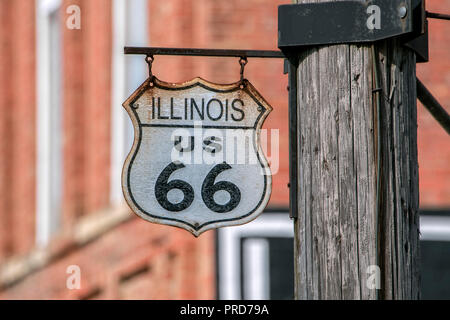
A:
[257, 269]
[267, 225]
[434, 228]
[118, 92]
[128, 72]
[48, 170]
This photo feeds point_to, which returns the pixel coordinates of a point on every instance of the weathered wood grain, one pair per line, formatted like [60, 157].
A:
[338, 232]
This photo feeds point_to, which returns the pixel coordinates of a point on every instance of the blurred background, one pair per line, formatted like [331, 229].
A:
[64, 136]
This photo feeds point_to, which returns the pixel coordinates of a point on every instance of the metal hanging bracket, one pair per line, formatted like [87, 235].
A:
[327, 23]
[201, 52]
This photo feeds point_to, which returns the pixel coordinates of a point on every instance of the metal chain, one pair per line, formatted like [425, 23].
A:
[242, 62]
[149, 59]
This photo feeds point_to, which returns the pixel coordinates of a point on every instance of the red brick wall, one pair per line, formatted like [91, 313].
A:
[136, 260]
[74, 120]
[87, 104]
[433, 141]
[5, 127]
[17, 127]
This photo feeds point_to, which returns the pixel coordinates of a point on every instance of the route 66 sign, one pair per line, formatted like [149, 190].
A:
[196, 160]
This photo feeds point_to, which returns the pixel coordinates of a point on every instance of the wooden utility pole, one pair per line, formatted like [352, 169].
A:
[344, 225]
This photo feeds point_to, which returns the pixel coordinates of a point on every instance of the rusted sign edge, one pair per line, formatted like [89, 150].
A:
[245, 86]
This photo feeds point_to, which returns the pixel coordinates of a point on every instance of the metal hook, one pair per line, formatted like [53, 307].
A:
[242, 62]
[149, 59]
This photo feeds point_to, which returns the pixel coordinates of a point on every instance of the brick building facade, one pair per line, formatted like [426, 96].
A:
[64, 135]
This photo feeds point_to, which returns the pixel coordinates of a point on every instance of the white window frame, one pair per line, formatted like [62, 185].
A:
[256, 283]
[49, 120]
[128, 72]
[434, 228]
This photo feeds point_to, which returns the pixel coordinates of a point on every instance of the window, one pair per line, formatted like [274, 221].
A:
[435, 253]
[49, 120]
[128, 72]
[255, 260]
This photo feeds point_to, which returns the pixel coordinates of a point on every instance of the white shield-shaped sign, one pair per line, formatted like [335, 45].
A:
[196, 161]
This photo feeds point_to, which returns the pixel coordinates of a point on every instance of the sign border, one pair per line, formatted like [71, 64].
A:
[196, 230]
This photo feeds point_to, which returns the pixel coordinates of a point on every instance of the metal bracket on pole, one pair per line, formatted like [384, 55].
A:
[200, 52]
[291, 65]
[327, 23]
